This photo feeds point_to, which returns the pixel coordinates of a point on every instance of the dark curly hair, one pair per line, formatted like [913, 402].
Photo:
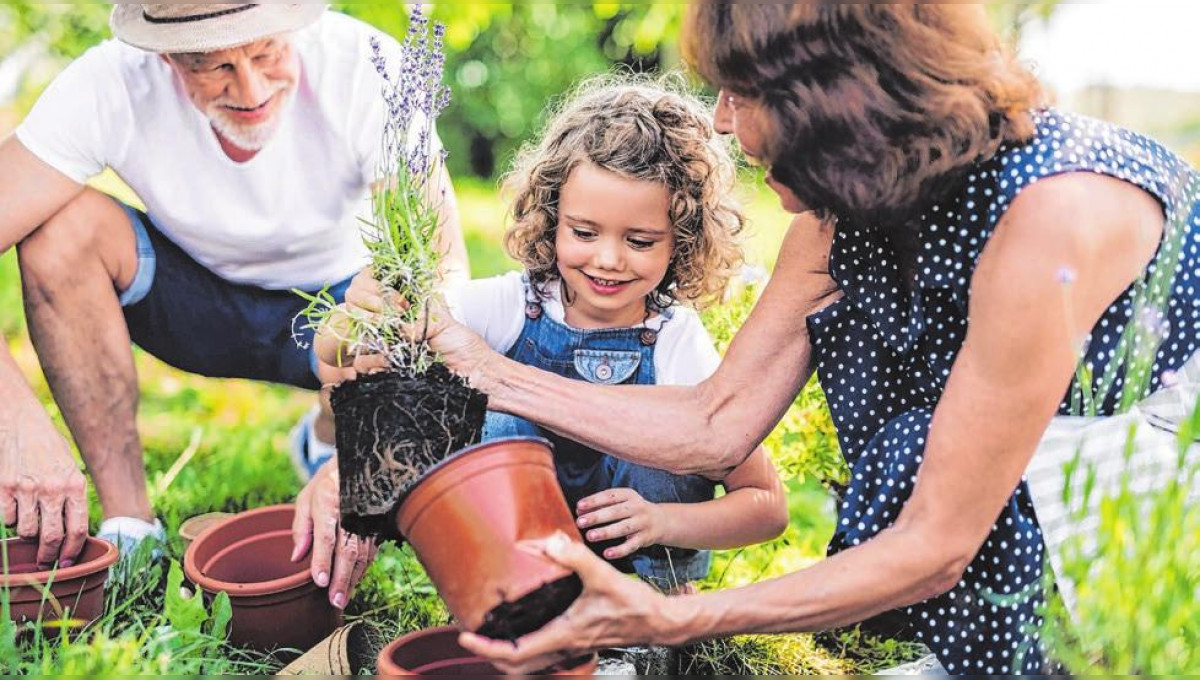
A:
[873, 111]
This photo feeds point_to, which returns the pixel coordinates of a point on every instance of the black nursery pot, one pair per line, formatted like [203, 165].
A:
[392, 427]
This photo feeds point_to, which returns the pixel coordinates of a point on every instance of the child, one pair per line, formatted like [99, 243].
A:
[622, 216]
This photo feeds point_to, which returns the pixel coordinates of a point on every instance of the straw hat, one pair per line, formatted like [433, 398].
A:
[174, 27]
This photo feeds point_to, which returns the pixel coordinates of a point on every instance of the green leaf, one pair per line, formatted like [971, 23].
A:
[222, 613]
[186, 615]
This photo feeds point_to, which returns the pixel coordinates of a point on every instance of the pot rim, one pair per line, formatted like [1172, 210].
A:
[421, 489]
[233, 588]
[63, 574]
[388, 652]
[461, 453]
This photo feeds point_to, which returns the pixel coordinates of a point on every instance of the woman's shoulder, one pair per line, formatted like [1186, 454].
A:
[1065, 142]
[955, 232]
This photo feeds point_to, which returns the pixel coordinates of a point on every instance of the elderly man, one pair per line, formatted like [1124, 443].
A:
[252, 134]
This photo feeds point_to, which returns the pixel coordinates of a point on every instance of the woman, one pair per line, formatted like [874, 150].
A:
[955, 245]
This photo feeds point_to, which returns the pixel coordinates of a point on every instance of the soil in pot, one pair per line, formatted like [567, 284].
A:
[435, 651]
[392, 427]
[274, 600]
[77, 591]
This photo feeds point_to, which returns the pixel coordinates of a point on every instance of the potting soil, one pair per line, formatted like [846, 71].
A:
[392, 428]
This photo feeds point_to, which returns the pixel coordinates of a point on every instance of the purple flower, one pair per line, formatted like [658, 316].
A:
[415, 96]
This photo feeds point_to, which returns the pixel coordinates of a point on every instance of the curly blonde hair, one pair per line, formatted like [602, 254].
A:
[640, 129]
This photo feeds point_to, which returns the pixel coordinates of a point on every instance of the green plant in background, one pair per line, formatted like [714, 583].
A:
[1136, 576]
[1135, 573]
[506, 61]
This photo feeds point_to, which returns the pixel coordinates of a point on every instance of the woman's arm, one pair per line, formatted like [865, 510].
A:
[1017, 360]
[699, 429]
[1014, 367]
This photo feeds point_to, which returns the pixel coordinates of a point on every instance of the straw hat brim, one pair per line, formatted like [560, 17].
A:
[210, 33]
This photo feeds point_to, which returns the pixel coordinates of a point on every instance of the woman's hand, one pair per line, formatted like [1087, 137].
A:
[339, 558]
[614, 610]
[627, 515]
[461, 349]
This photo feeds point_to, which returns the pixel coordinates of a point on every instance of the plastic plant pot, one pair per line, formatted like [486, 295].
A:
[435, 651]
[466, 520]
[275, 603]
[76, 592]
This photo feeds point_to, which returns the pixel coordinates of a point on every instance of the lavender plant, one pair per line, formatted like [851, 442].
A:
[402, 235]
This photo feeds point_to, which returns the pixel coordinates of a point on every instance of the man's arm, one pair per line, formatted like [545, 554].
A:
[36, 468]
[456, 264]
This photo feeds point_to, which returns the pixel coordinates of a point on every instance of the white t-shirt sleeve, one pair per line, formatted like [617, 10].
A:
[493, 307]
[685, 354]
[83, 121]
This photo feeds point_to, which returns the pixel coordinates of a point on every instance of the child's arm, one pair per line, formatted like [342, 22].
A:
[753, 510]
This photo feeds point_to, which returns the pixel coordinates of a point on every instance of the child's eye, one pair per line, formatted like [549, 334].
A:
[583, 234]
[641, 243]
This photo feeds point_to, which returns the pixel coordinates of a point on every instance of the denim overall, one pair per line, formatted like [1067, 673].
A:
[608, 356]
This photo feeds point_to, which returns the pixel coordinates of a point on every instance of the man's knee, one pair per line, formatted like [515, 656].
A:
[91, 228]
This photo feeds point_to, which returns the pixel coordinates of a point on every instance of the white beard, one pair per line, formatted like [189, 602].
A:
[249, 137]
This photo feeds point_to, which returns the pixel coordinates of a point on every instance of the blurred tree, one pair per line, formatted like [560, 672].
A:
[507, 61]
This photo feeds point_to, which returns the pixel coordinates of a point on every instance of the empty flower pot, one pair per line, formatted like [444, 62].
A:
[76, 591]
[466, 520]
[435, 651]
[275, 602]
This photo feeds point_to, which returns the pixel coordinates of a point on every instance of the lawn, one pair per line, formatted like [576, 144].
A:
[222, 445]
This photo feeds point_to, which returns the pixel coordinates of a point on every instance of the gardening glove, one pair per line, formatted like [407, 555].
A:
[42, 491]
[339, 558]
[613, 611]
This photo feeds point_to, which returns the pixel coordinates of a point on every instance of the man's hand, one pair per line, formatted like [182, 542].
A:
[462, 350]
[622, 513]
[339, 558]
[42, 491]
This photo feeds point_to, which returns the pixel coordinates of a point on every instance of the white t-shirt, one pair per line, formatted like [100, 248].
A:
[495, 309]
[285, 218]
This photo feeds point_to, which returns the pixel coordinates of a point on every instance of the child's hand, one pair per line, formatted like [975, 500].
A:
[626, 515]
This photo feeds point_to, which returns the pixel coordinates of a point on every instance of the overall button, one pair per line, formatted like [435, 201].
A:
[604, 372]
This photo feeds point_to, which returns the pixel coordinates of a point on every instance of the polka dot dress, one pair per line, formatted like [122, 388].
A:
[884, 354]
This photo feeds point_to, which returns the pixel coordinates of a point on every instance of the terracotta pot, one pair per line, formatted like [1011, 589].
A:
[194, 526]
[466, 519]
[275, 602]
[435, 651]
[77, 590]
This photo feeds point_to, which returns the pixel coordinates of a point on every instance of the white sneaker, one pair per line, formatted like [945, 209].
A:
[128, 533]
[309, 453]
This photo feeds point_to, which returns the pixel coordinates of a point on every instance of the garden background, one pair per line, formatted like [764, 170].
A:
[222, 444]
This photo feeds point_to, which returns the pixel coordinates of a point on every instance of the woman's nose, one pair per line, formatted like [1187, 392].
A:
[723, 114]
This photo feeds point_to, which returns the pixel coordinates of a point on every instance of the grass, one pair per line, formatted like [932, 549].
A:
[231, 437]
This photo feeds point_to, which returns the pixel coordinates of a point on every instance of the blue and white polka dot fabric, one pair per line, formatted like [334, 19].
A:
[885, 350]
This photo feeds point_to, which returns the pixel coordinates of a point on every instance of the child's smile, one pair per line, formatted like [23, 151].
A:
[613, 245]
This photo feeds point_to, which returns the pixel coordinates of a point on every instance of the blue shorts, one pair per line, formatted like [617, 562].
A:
[187, 316]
